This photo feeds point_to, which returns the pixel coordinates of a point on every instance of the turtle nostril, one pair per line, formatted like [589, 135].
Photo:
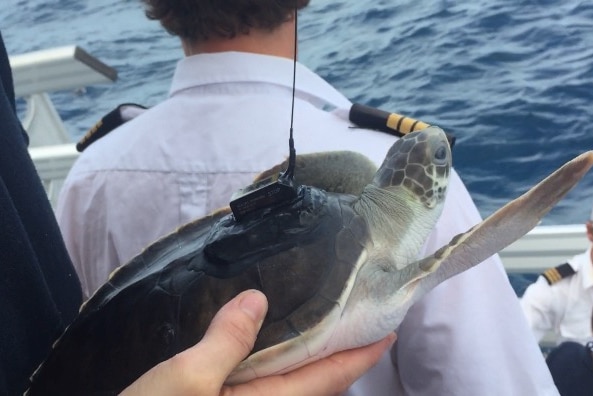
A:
[441, 153]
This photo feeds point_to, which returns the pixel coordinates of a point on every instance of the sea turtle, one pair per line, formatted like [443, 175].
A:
[339, 271]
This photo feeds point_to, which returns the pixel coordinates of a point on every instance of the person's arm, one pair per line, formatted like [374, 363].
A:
[203, 368]
[538, 305]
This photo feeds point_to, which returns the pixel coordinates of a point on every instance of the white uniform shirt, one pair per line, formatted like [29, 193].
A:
[227, 119]
[565, 307]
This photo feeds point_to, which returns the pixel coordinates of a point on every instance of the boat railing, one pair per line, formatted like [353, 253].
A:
[544, 247]
[35, 75]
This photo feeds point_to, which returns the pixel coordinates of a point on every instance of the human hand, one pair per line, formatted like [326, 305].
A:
[203, 368]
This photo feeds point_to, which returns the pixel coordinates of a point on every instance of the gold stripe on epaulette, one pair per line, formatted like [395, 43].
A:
[558, 273]
[552, 275]
[91, 132]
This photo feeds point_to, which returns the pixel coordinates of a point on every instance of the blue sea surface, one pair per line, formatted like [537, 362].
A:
[512, 80]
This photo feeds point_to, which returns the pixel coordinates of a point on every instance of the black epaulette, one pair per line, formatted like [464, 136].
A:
[392, 123]
[116, 117]
[558, 273]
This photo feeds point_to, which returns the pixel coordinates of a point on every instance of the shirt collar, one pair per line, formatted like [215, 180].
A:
[237, 67]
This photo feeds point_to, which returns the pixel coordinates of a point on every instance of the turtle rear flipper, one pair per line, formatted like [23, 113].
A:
[503, 227]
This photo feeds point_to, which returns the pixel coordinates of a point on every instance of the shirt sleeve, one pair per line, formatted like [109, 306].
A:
[538, 304]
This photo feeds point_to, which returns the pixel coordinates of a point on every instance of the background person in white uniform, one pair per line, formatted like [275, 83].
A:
[227, 119]
[560, 301]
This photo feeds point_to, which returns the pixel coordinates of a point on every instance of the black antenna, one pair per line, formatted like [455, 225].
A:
[289, 173]
[278, 190]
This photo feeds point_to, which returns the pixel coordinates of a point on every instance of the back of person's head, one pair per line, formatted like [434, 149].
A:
[200, 20]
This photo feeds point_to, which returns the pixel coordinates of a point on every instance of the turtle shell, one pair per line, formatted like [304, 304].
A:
[300, 256]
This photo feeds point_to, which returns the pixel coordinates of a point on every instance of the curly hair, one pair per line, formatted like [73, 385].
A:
[200, 20]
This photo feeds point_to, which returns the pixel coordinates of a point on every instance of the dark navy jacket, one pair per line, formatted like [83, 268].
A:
[39, 290]
[571, 365]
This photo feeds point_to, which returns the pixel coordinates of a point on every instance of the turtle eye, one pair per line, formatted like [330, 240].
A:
[440, 153]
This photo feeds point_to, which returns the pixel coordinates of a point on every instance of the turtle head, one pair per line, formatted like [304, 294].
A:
[420, 163]
[407, 194]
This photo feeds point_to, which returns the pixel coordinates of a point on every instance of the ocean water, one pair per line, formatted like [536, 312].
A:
[512, 80]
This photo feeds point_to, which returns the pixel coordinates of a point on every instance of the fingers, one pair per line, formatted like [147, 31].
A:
[203, 368]
[329, 376]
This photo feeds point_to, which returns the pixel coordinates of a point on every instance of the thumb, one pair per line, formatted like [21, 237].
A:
[232, 333]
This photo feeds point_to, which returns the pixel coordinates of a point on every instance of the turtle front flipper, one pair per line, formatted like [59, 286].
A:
[502, 228]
